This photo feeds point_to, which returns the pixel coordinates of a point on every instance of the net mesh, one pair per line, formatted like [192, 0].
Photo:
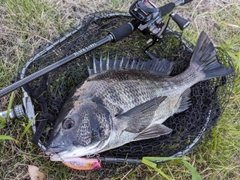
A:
[50, 91]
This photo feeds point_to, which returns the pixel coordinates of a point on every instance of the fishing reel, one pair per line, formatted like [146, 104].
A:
[150, 16]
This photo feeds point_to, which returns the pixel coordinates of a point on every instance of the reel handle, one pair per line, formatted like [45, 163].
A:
[180, 21]
[186, 1]
[164, 10]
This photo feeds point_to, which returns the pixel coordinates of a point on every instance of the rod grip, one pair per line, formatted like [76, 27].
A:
[124, 30]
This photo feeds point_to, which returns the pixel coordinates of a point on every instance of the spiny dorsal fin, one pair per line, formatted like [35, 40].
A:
[163, 66]
[96, 65]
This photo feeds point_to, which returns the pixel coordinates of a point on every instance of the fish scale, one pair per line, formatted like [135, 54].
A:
[129, 95]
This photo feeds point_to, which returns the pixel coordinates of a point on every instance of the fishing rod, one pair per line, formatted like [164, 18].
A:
[148, 19]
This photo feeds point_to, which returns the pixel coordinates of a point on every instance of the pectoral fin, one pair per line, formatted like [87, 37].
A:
[140, 117]
[153, 131]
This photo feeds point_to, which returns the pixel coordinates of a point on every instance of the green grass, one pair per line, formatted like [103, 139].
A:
[27, 24]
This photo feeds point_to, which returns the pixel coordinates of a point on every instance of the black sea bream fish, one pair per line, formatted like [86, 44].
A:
[123, 101]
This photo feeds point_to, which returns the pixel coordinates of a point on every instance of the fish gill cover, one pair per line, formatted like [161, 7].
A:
[208, 98]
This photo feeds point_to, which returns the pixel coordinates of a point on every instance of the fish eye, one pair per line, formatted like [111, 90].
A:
[94, 133]
[68, 123]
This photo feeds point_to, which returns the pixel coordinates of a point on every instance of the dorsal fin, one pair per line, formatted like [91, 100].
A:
[163, 66]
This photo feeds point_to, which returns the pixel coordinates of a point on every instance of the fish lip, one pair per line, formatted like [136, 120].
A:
[61, 156]
[56, 157]
[55, 150]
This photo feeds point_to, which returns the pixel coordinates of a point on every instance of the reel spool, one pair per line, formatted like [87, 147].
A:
[45, 96]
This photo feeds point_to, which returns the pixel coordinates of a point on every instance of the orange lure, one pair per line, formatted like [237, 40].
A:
[82, 163]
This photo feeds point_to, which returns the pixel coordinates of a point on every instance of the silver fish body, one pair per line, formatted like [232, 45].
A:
[124, 101]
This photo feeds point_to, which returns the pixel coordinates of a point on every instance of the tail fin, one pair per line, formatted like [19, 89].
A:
[205, 57]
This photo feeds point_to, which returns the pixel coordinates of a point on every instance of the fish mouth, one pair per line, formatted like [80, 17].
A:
[60, 152]
[56, 149]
